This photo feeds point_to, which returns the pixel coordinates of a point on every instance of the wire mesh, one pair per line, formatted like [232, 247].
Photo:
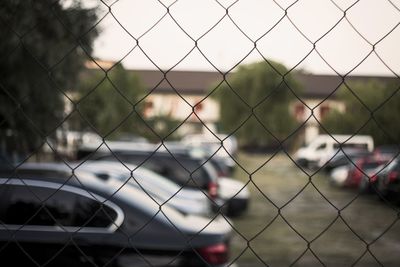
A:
[308, 254]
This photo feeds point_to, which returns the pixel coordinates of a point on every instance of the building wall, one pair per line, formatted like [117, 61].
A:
[174, 106]
[319, 108]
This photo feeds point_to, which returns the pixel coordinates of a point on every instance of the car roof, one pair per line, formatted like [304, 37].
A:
[95, 168]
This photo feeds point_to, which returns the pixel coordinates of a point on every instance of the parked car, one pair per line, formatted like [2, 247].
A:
[5, 162]
[231, 193]
[86, 221]
[387, 152]
[363, 168]
[342, 158]
[212, 146]
[339, 175]
[326, 146]
[186, 200]
[188, 172]
[87, 149]
[163, 190]
[223, 168]
[181, 169]
[387, 182]
[209, 140]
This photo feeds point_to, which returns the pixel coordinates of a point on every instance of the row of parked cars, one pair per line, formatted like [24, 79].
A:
[369, 172]
[352, 161]
[122, 204]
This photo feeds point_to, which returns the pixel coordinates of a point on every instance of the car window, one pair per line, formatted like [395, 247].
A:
[321, 146]
[42, 206]
[28, 173]
[397, 166]
[151, 180]
[150, 164]
[165, 165]
[186, 169]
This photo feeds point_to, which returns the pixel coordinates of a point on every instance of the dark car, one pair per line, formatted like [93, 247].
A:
[223, 165]
[160, 188]
[387, 152]
[387, 182]
[345, 157]
[220, 164]
[181, 169]
[86, 221]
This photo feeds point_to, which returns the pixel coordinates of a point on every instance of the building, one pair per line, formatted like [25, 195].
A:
[178, 93]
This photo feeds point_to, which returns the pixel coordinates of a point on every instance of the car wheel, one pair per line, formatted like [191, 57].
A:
[382, 190]
[364, 186]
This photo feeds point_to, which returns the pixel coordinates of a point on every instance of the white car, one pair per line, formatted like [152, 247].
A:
[235, 194]
[186, 200]
[324, 147]
[339, 175]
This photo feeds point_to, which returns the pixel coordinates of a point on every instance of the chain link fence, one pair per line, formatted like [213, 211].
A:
[75, 182]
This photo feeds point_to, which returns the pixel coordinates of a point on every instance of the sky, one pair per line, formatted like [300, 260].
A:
[227, 39]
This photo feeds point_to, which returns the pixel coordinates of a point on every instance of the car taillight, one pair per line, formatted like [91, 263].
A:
[393, 176]
[215, 254]
[373, 178]
[213, 190]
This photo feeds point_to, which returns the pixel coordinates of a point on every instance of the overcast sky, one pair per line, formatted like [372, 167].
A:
[166, 44]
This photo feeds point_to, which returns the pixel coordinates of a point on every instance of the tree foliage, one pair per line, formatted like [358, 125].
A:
[108, 101]
[372, 108]
[164, 126]
[259, 91]
[42, 49]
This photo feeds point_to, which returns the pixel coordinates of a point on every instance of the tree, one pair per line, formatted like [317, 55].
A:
[372, 108]
[42, 50]
[108, 101]
[261, 88]
[164, 126]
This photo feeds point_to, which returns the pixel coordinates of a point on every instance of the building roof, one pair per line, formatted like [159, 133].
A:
[185, 82]
[200, 82]
[321, 86]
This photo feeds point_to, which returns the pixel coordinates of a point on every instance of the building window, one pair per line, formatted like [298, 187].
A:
[198, 107]
[148, 108]
[299, 111]
[323, 111]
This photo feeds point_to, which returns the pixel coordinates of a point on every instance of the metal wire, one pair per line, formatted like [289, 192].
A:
[77, 104]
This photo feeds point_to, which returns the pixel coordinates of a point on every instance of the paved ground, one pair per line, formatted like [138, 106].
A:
[308, 216]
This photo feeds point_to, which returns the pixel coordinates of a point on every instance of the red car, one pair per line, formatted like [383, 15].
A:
[362, 169]
[388, 181]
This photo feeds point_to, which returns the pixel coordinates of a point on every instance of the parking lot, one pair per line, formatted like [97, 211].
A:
[309, 212]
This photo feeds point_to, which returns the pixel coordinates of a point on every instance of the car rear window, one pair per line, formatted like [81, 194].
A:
[168, 166]
[40, 206]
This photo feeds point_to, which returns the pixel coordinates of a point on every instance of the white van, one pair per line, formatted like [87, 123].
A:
[323, 147]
